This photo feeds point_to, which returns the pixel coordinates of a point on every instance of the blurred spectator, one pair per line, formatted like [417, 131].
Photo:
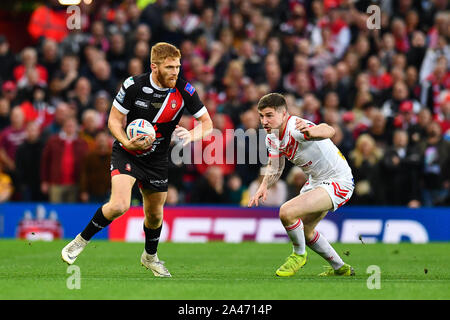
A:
[434, 84]
[117, 56]
[28, 161]
[98, 36]
[432, 56]
[90, 122]
[10, 139]
[142, 52]
[102, 104]
[380, 129]
[82, 98]
[253, 66]
[7, 60]
[135, 67]
[443, 117]
[9, 92]
[183, 19]
[248, 147]
[120, 23]
[153, 15]
[49, 58]
[400, 94]
[418, 131]
[29, 62]
[48, 21]
[5, 109]
[62, 112]
[418, 49]
[172, 196]
[142, 32]
[398, 28]
[37, 108]
[235, 189]
[364, 161]
[311, 108]
[66, 77]
[210, 188]
[61, 163]
[436, 166]
[95, 177]
[402, 163]
[103, 79]
[295, 180]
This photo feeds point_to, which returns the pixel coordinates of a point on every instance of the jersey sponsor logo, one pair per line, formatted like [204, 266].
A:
[159, 182]
[128, 167]
[157, 105]
[173, 104]
[120, 95]
[189, 89]
[147, 90]
[158, 95]
[144, 104]
[128, 82]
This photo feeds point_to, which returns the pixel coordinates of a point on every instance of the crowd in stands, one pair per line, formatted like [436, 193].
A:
[386, 92]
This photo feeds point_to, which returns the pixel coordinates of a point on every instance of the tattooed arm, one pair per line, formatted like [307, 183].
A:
[273, 172]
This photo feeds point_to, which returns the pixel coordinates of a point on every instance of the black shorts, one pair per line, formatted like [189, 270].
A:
[150, 173]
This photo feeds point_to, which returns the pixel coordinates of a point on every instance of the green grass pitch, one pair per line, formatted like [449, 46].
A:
[220, 271]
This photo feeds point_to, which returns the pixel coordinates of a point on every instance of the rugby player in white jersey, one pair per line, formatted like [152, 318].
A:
[329, 185]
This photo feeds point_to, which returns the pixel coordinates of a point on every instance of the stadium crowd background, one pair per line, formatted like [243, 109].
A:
[386, 92]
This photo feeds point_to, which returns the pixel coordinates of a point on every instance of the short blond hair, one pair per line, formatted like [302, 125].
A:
[163, 50]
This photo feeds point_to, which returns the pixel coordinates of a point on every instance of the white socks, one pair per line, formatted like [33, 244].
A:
[321, 245]
[297, 236]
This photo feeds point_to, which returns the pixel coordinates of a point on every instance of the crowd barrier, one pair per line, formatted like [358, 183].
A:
[43, 221]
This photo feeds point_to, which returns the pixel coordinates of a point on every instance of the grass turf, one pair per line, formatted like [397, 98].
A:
[220, 271]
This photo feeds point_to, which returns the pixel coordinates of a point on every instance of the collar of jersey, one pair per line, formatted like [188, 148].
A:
[155, 86]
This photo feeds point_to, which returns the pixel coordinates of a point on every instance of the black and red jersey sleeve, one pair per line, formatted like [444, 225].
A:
[192, 101]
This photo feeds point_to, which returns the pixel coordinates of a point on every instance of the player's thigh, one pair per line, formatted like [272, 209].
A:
[153, 201]
[121, 186]
[309, 204]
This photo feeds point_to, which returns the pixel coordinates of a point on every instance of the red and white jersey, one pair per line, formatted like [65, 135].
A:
[319, 159]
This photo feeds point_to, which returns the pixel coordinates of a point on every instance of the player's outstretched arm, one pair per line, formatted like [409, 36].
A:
[311, 132]
[274, 169]
[200, 131]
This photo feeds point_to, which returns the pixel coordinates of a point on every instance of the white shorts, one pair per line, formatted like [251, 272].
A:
[339, 189]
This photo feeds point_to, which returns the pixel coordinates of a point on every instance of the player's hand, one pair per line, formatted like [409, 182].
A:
[183, 134]
[304, 128]
[261, 193]
[140, 142]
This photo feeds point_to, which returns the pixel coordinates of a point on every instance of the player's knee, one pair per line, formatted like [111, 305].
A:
[286, 214]
[153, 216]
[118, 208]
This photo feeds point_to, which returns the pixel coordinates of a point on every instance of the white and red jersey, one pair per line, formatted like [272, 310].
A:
[319, 159]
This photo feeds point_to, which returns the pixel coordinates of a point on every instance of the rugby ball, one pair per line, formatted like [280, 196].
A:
[140, 127]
